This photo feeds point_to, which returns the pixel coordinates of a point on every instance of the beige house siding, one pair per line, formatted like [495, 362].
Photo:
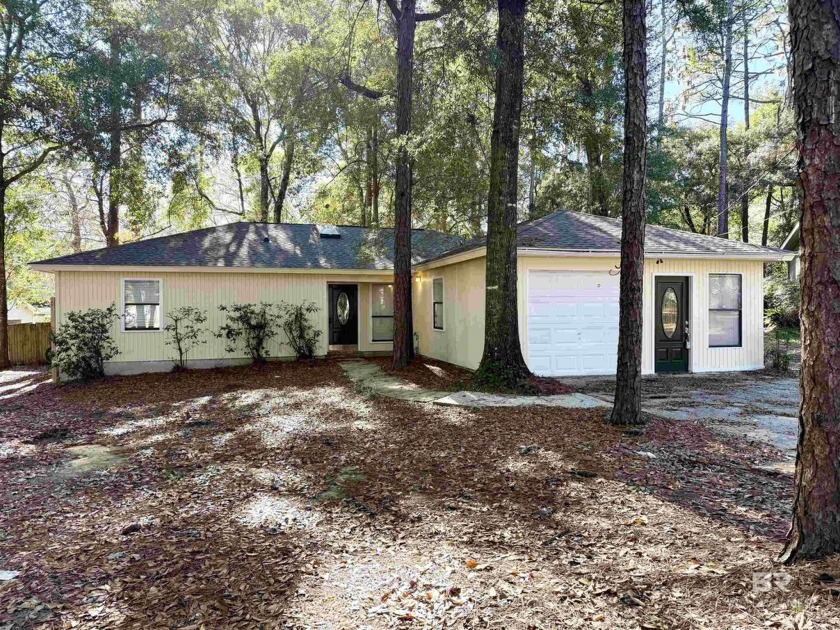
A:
[78, 290]
[462, 342]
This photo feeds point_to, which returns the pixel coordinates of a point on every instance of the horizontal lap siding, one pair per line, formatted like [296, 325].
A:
[204, 290]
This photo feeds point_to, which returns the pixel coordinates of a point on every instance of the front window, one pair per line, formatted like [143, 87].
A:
[725, 310]
[141, 305]
[437, 303]
[382, 312]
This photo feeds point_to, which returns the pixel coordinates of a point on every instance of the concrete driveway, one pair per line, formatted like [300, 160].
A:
[758, 406]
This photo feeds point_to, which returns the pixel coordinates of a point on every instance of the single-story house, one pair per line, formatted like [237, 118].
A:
[25, 313]
[703, 296]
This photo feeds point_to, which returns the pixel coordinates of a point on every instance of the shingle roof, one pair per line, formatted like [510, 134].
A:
[266, 245]
[578, 232]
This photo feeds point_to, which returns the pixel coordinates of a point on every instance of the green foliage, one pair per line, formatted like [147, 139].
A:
[250, 327]
[782, 298]
[83, 343]
[185, 332]
[301, 334]
[778, 356]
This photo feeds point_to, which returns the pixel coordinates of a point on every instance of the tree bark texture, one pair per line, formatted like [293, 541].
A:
[502, 362]
[663, 66]
[288, 160]
[627, 408]
[745, 196]
[403, 347]
[4, 297]
[768, 204]
[115, 149]
[723, 164]
[815, 36]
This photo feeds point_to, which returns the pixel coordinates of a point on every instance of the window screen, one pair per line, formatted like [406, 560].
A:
[724, 310]
[141, 304]
[437, 303]
[382, 312]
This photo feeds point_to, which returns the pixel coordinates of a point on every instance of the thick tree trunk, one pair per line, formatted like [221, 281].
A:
[403, 347]
[374, 167]
[745, 196]
[4, 299]
[75, 214]
[115, 152]
[663, 67]
[723, 165]
[815, 35]
[502, 363]
[265, 187]
[628, 384]
[288, 160]
[594, 166]
[765, 226]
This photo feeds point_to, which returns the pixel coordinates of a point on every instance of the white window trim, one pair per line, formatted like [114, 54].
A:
[132, 331]
[442, 303]
[740, 311]
[370, 313]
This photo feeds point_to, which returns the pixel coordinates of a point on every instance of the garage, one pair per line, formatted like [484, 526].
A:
[572, 322]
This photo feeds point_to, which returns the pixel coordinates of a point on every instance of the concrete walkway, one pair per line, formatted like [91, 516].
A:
[368, 376]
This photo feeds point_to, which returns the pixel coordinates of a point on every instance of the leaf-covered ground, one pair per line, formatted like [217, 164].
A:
[281, 498]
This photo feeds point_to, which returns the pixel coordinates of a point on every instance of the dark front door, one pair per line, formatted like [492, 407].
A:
[672, 317]
[344, 322]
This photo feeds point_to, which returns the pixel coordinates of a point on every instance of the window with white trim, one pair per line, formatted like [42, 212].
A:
[725, 310]
[437, 303]
[142, 305]
[382, 312]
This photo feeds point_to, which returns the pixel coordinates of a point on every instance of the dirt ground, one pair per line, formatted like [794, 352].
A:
[281, 498]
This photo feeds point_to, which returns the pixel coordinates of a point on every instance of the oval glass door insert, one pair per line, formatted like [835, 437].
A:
[343, 306]
[670, 311]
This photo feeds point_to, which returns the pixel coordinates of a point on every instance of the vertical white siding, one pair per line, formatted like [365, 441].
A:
[77, 290]
[462, 340]
[464, 295]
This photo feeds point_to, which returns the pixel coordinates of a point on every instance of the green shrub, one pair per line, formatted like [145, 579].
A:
[781, 299]
[83, 343]
[250, 327]
[301, 334]
[779, 354]
[185, 332]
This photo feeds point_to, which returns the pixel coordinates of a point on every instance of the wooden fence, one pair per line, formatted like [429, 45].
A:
[28, 343]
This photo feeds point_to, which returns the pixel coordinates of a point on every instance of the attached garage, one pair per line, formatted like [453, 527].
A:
[711, 319]
[572, 322]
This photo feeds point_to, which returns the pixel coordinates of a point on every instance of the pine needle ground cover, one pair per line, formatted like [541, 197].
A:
[278, 497]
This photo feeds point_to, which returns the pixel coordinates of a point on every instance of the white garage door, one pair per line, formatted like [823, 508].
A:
[572, 322]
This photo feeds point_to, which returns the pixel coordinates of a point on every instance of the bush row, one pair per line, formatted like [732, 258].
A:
[83, 342]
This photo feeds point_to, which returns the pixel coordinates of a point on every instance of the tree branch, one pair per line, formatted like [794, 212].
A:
[395, 10]
[351, 85]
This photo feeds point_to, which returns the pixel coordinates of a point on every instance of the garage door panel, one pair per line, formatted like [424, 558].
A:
[572, 322]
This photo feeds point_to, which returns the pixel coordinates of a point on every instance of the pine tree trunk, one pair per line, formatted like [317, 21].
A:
[502, 363]
[815, 35]
[4, 299]
[374, 167]
[115, 151]
[288, 160]
[663, 67]
[768, 204]
[723, 166]
[745, 197]
[265, 187]
[403, 332]
[628, 384]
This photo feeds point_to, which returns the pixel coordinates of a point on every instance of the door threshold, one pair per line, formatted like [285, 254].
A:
[350, 347]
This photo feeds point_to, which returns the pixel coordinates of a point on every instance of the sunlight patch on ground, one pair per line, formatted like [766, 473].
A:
[452, 415]
[437, 371]
[16, 389]
[286, 478]
[264, 510]
[16, 448]
[155, 438]
[337, 399]
[396, 586]
[131, 426]
[276, 430]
